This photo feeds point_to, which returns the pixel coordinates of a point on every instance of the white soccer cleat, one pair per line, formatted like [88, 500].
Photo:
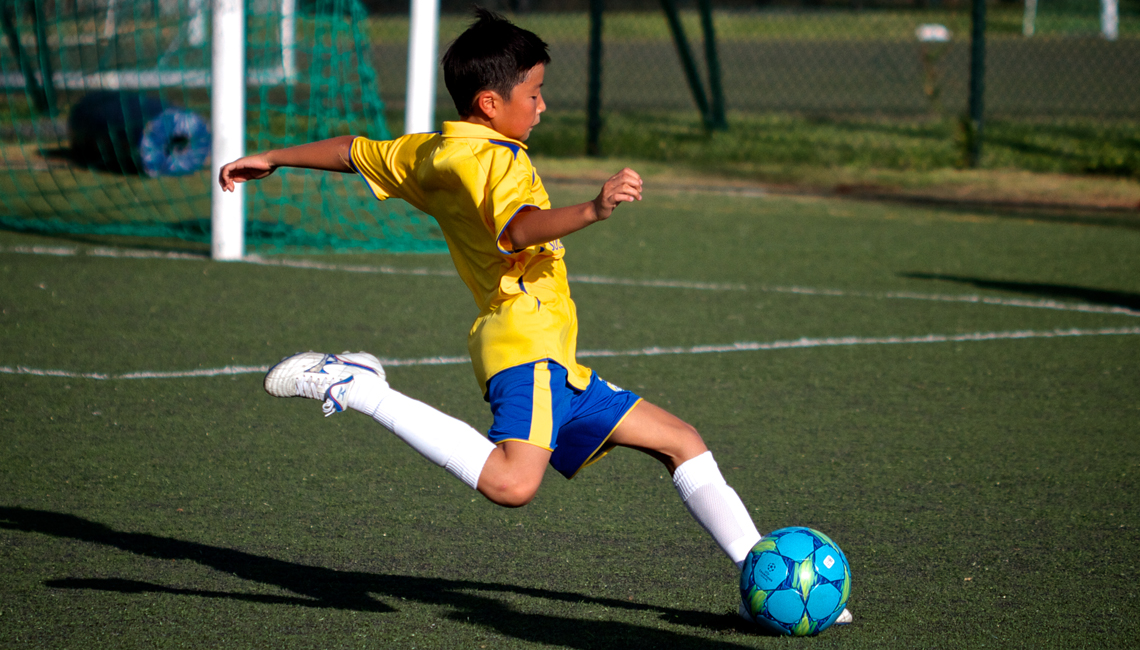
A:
[327, 377]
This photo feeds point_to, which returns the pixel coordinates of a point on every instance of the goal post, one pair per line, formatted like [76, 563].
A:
[227, 123]
[1109, 19]
[423, 44]
[227, 92]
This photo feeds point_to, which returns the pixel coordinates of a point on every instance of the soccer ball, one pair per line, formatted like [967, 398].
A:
[795, 581]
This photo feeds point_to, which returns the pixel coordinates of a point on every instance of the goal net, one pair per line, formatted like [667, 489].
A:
[104, 123]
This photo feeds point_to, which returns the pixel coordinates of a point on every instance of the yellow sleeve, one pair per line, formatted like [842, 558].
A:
[371, 159]
[510, 184]
[389, 166]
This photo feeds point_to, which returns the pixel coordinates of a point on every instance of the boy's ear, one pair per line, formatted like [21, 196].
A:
[487, 103]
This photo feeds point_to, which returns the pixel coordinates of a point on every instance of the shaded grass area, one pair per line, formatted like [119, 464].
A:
[982, 488]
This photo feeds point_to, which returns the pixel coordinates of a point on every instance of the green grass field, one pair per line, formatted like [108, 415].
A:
[959, 412]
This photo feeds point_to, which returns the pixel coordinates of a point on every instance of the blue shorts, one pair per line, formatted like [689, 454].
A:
[534, 403]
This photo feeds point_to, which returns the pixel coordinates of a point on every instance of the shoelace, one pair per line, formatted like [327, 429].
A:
[314, 385]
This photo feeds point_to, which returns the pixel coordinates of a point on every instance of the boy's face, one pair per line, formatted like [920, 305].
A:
[519, 114]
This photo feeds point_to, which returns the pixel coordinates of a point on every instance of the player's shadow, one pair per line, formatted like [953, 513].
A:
[1044, 290]
[470, 601]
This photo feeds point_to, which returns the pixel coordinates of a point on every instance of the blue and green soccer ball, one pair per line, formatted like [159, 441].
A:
[795, 581]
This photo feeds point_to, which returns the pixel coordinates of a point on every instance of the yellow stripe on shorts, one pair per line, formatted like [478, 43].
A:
[541, 416]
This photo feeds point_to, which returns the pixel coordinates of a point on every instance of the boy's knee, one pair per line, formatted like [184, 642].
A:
[687, 431]
[688, 444]
[662, 435]
[510, 491]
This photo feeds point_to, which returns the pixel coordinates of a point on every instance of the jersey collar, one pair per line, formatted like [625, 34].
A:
[469, 130]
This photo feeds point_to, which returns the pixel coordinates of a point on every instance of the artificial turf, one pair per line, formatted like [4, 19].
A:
[983, 491]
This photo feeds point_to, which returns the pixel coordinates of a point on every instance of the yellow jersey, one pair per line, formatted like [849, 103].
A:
[473, 181]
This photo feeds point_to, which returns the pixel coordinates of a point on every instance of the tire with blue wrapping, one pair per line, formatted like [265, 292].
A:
[132, 133]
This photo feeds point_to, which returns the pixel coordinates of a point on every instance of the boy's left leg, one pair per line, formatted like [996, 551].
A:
[715, 505]
[356, 380]
[508, 474]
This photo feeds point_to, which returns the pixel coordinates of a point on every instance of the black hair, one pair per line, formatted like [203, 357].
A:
[493, 54]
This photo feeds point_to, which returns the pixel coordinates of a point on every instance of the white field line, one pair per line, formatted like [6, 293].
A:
[70, 251]
[846, 341]
[361, 268]
[658, 284]
[598, 279]
[801, 343]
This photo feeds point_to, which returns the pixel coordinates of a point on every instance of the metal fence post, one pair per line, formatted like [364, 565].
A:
[717, 119]
[977, 83]
[687, 61]
[594, 81]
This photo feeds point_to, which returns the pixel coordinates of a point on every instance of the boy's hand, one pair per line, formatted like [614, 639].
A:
[622, 186]
[538, 226]
[249, 168]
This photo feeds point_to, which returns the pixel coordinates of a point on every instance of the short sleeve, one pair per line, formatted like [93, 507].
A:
[510, 185]
[385, 165]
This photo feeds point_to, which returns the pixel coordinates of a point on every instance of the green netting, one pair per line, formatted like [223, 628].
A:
[104, 114]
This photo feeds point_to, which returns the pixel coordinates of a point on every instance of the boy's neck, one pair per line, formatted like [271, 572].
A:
[477, 119]
[482, 121]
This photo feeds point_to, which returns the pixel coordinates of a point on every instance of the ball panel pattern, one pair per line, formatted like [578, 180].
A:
[795, 581]
[770, 570]
[796, 545]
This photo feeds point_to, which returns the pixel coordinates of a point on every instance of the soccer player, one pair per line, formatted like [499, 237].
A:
[476, 179]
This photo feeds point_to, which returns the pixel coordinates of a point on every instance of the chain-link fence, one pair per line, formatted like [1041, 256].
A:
[831, 59]
[96, 96]
[1045, 60]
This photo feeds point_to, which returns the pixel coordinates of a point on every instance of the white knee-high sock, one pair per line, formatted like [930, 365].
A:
[716, 506]
[450, 443]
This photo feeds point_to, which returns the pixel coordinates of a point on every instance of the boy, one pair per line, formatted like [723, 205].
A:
[476, 180]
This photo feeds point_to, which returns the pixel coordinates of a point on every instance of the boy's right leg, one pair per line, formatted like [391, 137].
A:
[699, 482]
[702, 488]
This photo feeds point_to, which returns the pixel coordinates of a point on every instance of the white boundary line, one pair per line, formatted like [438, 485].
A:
[360, 268]
[597, 279]
[801, 343]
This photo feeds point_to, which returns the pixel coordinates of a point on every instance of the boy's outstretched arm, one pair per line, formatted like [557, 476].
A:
[332, 155]
[541, 226]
